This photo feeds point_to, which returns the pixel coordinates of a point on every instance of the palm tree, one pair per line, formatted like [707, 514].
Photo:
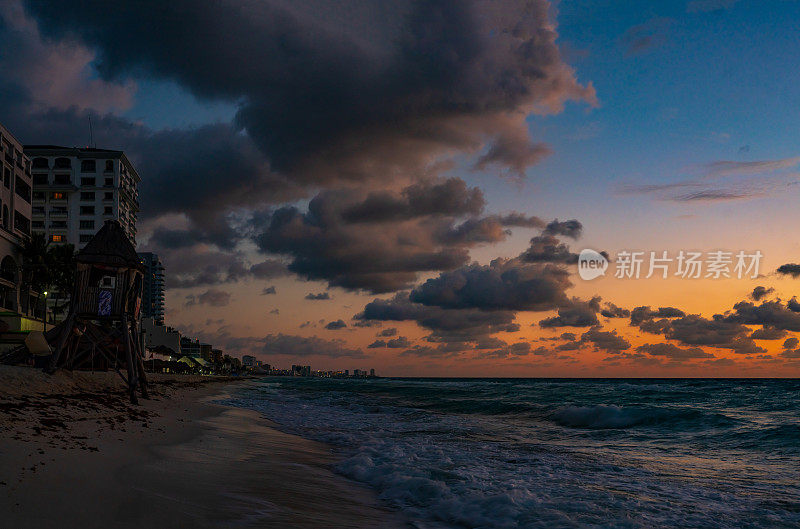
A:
[61, 265]
[35, 269]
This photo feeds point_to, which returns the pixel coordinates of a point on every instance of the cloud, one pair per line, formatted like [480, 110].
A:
[391, 331]
[770, 314]
[336, 325]
[568, 228]
[673, 352]
[505, 284]
[211, 297]
[791, 269]
[575, 314]
[380, 243]
[729, 168]
[768, 333]
[608, 341]
[760, 292]
[509, 351]
[652, 34]
[384, 93]
[401, 342]
[268, 291]
[547, 248]
[305, 346]
[322, 296]
[612, 311]
[644, 313]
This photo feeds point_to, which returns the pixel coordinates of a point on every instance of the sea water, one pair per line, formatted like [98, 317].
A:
[498, 453]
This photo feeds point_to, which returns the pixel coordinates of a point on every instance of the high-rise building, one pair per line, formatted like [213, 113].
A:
[153, 287]
[75, 190]
[15, 217]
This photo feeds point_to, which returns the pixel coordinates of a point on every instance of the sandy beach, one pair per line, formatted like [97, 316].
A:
[75, 453]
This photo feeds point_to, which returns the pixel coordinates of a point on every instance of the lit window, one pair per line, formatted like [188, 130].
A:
[56, 238]
[58, 196]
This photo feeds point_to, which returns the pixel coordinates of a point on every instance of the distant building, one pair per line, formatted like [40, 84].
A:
[190, 347]
[76, 189]
[372, 372]
[301, 371]
[249, 361]
[156, 335]
[153, 288]
[15, 219]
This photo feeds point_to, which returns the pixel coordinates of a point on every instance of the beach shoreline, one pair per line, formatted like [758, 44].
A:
[75, 453]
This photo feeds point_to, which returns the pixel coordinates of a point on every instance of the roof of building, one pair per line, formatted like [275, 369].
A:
[110, 247]
[79, 149]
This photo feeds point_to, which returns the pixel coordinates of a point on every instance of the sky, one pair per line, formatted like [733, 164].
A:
[406, 186]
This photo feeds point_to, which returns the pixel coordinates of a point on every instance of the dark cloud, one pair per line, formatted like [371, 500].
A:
[791, 343]
[509, 351]
[268, 268]
[322, 296]
[391, 331]
[547, 248]
[462, 326]
[336, 325]
[268, 290]
[608, 341]
[612, 311]
[211, 297]
[387, 253]
[576, 313]
[768, 333]
[568, 228]
[505, 284]
[303, 346]
[644, 313]
[760, 292]
[401, 342]
[770, 313]
[381, 93]
[673, 352]
[791, 269]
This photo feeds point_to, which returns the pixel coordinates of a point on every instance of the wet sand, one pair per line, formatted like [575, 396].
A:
[74, 453]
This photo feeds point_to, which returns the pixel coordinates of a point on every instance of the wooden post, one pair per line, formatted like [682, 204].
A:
[140, 361]
[132, 365]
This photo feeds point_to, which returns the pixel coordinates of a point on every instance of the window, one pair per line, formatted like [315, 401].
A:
[38, 224]
[88, 166]
[22, 189]
[56, 238]
[58, 224]
[61, 180]
[86, 237]
[21, 222]
[38, 195]
[87, 210]
[87, 224]
[58, 196]
[63, 163]
[109, 166]
[40, 179]
[87, 182]
[7, 177]
[41, 163]
[108, 195]
[109, 182]
[87, 196]
[5, 216]
[108, 210]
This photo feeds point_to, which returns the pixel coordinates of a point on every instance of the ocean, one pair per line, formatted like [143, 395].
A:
[502, 453]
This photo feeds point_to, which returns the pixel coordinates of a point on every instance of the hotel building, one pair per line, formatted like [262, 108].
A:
[75, 190]
[15, 218]
[153, 288]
